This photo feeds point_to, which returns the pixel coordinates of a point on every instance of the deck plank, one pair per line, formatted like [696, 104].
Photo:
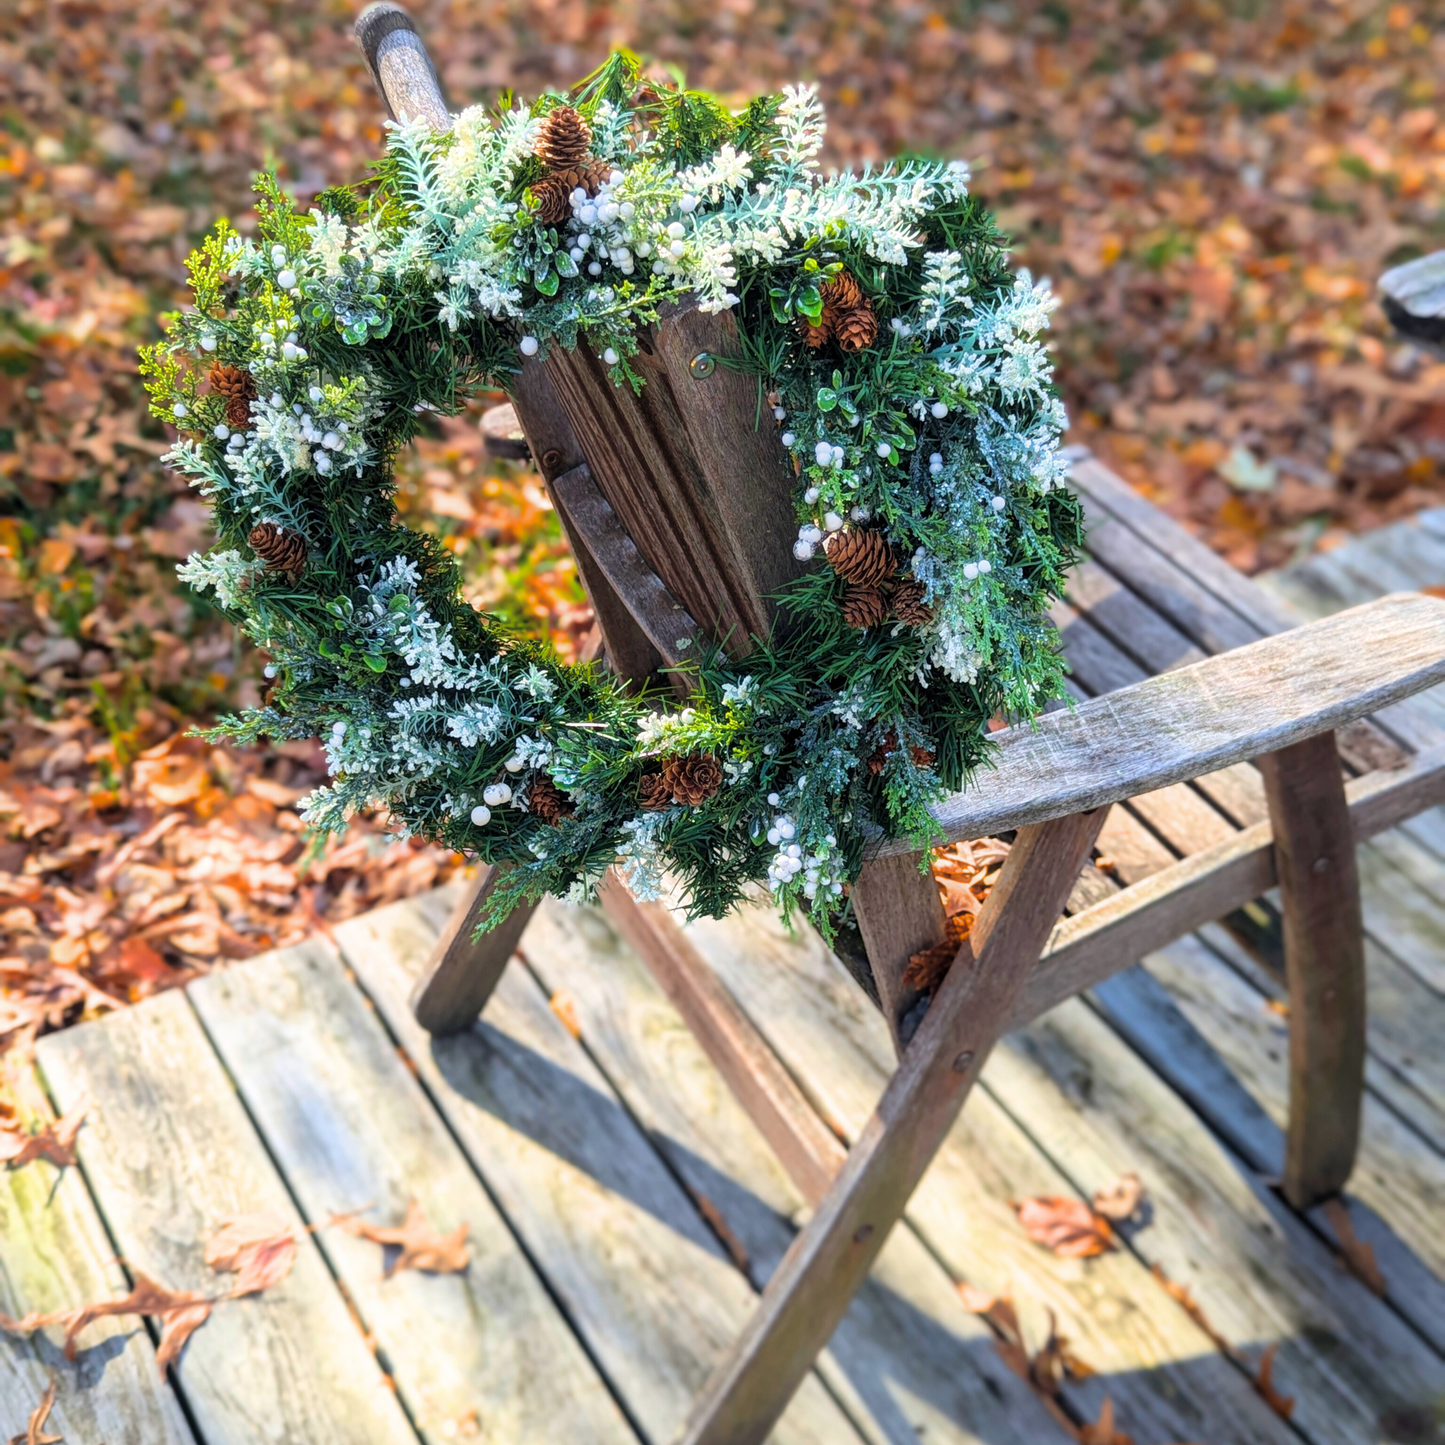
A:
[349, 1125]
[643, 1280]
[54, 1255]
[1167, 1380]
[170, 1153]
[1210, 1034]
[1258, 1272]
[908, 1361]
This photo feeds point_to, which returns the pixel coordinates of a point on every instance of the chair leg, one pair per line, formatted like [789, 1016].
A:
[461, 974]
[812, 1286]
[1324, 952]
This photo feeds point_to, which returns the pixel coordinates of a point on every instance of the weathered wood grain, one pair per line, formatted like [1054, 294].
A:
[462, 971]
[556, 450]
[1257, 1271]
[1091, 946]
[400, 65]
[1165, 1378]
[642, 1279]
[693, 469]
[1210, 1035]
[1405, 907]
[349, 1126]
[899, 913]
[170, 1154]
[664, 621]
[1324, 946]
[907, 1362]
[810, 1290]
[54, 1255]
[1203, 717]
[806, 1147]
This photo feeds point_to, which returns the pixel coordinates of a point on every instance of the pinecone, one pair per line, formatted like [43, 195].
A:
[547, 801]
[653, 794]
[879, 757]
[908, 604]
[815, 336]
[860, 556]
[565, 140]
[238, 387]
[552, 196]
[280, 551]
[693, 779]
[864, 607]
[848, 313]
[927, 969]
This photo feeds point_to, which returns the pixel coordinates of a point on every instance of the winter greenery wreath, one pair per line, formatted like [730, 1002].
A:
[902, 364]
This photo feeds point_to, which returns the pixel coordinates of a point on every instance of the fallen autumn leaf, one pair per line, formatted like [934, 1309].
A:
[34, 1430]
[260, 1247]
[54, 1141]
[1067, 1226]
[1120, 1200]
[420, 1248]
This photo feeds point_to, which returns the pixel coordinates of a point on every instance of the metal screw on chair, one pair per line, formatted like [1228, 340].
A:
[702, 365]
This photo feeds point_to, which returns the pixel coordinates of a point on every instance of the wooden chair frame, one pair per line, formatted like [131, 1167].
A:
[675, 503]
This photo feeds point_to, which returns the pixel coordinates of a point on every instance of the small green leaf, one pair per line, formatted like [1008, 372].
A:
[375, 662]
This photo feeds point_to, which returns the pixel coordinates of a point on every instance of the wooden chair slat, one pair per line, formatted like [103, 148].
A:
[1196, 719]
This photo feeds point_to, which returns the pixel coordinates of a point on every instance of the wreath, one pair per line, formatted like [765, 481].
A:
[901, 361]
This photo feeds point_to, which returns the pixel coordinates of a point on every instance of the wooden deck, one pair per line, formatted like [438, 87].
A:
[623, 1212]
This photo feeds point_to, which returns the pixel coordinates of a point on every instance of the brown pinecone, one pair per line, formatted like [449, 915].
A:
[565, 140]
[280, 551]
[922, 758]
[853, 330]
[815, 336]
[861, 556]
[879, 757]
[653, 794]
[864, 607]
[552, 196]
[840, 295]
[238, 387]
[928, 968]
[908, 604]
[693, 779]
[547, 801]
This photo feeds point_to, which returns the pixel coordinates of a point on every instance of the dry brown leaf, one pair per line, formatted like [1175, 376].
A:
[565, 1007]
[1065, 1225]
[1103, 1431]
[976, 1301]
[419, 1247]
[1282, 1405]
[54, 1141]
[1358, 1256]
[260, 1247]
[180, 1312]
[34, 1431]
[1121, 1199]
[1055, 1360]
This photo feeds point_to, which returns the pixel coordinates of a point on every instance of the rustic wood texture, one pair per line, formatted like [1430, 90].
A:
[664, 621]
[170, 1154]
[400, 65]
[1165, 1377]
[1325, 962]
[693, 469]
[1206, 716]
[463, 970]
[643, 1281]
[908, 1362]
[556, 450]
[899, 913]
[810, 1290]
[349, 1125]
[1210, 1035]
[1258, 1272]
[806, 1147]
[54, 1255]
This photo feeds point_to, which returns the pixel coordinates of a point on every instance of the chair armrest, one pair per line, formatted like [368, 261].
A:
[1194, 720]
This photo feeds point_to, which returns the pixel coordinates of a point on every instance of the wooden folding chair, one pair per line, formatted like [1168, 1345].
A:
[676, 505]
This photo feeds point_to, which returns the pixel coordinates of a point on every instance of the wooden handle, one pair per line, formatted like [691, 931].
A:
[400, 65]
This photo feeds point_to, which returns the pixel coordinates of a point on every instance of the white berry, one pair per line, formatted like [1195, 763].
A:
[528, 345]
[939, 410]
[286, 279]
[497, 795]
[610, 356]
[481, 815]
[514, 765]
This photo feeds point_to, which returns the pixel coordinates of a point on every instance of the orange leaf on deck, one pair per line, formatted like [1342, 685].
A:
[420, 1247]
[1121, 1199]
[1359, 1257]
[1282, 1405]
[179, 1311]
[34, 1431]
[1055, 1360]
[54, 1141]
[1102, 1431]
[1067, 1226]
[565, 1007]
[260, 1247]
